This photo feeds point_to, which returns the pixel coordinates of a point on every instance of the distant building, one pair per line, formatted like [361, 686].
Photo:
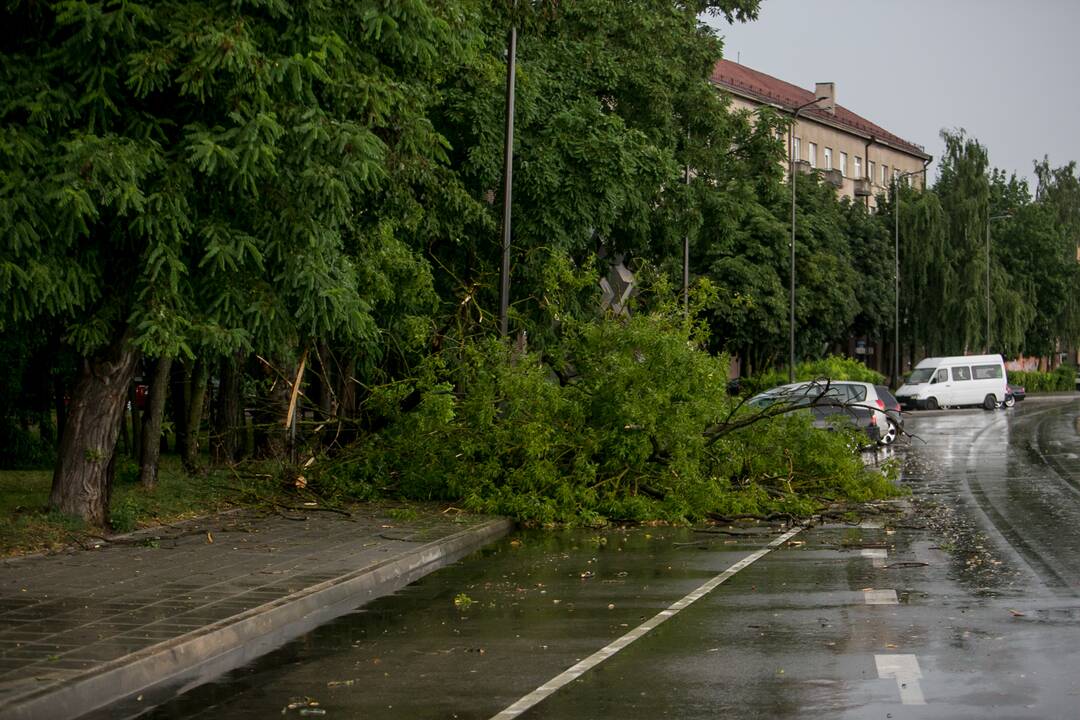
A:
[858, 157]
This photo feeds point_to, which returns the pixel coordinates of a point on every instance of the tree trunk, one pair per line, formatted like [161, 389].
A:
[326, 383]
[80, 485]
[123, 443]
[136, 422]
[224, 442]
[347, 403]
[180, 396]
[59, 404]
[155, 411]
[200, 376]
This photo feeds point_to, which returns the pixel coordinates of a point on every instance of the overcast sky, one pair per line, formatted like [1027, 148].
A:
[1008, 72]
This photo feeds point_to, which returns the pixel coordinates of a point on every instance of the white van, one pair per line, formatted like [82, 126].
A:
[945, 381]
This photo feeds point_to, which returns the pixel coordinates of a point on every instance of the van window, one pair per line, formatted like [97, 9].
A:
[942, 375]
[986, 372]
[961, 373]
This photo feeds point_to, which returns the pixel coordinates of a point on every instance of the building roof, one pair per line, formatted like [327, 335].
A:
[765, 88]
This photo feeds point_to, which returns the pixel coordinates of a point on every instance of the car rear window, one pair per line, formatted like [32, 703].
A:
[886, 396]
[855, 393]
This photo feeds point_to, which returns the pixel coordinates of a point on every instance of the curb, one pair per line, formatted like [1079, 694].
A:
[158, 671]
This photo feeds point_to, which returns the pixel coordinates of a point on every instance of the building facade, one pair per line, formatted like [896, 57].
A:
[861, 159]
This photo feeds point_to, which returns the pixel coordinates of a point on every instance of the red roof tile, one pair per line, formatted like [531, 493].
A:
[769, 89]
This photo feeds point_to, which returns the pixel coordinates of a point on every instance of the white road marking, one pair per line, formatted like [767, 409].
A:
[583, 666]
[880, 597]
[905, 670]
[877, 556]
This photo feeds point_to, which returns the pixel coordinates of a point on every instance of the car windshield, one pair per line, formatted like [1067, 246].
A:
[919, 376]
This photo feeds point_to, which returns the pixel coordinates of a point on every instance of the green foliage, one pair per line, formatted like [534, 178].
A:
[123, 515]
[833, 367]
[1062, 379]
[610, 426]
[22, 449]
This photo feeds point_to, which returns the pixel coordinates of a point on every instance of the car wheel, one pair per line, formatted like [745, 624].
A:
[989, 402]
[1009, 400]
[931, 404]
[888, 437]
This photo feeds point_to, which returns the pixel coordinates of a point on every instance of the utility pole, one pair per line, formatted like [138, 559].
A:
[508, 182]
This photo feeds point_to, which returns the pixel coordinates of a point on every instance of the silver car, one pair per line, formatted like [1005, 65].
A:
[879, 417]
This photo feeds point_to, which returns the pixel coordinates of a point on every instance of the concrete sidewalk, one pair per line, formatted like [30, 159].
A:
[144, 614]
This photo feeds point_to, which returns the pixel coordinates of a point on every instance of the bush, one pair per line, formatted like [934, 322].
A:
[22, 450]
[1062, 379]
[833, 367]
[610, 424]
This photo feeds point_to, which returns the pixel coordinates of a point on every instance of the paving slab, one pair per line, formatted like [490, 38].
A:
[178, 605]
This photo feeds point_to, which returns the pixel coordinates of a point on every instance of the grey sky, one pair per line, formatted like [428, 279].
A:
[1008, 72]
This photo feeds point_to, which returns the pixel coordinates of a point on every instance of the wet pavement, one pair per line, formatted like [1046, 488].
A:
[960, 602]
[931, 613]
[86, 628]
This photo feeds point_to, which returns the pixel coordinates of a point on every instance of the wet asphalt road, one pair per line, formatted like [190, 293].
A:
[969, 608]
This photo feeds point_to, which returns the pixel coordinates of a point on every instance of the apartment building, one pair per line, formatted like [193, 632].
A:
[861, 159]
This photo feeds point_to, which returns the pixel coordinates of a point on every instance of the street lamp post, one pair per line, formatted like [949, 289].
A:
[989, 219]
[508, 181]
[791, 175]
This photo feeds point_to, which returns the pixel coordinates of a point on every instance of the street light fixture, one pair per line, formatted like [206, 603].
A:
[791, 175]
[896, 266]
[988, 220]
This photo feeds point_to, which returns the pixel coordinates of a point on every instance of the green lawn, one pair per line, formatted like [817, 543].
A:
[27, 526]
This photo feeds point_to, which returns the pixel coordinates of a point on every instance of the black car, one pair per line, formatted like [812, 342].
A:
[1013, 393]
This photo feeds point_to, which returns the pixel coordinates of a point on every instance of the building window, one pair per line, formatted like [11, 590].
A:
[843, 164]
[796, 150]
[896, 173]
[811, 154]
[858, 168]
[884, 175]
[870, 170]
[828, 158]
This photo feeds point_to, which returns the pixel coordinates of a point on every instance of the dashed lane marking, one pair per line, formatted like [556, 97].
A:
[877, 556]
[880, 597]
[573, 673]
[905, 670]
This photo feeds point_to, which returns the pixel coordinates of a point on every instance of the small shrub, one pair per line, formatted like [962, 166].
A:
[23, 450]
[123, 515]
[833, 367]
[1062, 379]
